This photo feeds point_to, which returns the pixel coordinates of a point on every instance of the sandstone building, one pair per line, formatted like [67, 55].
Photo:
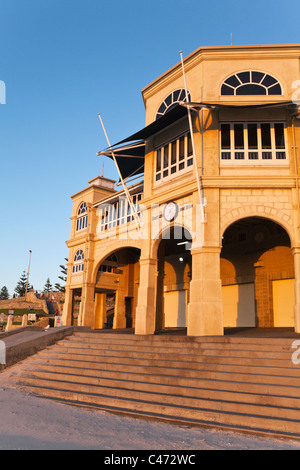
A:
[209, 237]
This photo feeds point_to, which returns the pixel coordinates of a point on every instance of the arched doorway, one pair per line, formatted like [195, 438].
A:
[174, 268]
[257, 273]
[116, 289]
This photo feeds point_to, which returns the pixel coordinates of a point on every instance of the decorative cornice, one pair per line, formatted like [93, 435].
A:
[215, 53]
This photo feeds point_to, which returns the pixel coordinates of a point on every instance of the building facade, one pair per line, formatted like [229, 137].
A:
[209, 237]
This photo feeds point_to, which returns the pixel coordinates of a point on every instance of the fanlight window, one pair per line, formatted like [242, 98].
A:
[82, 217]
[171, 101]
[251, 83]
[78, 262]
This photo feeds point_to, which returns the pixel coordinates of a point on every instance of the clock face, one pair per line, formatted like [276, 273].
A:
[170, 211]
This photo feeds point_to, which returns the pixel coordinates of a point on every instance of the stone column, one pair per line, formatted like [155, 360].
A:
[145, 310]
[120, 310]
[100, 310]
[87, 307]
[205, 310]
[296, 253]
[68, 305]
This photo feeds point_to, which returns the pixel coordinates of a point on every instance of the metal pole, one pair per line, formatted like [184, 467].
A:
[121, 178]
[193, 144]
[28, 274]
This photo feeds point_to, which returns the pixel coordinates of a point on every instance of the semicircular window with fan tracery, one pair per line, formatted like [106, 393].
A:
[171, 100]
[251, 83]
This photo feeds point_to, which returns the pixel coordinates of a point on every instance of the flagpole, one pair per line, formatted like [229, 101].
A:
[121, 178]
[26, 288]
[193, 143]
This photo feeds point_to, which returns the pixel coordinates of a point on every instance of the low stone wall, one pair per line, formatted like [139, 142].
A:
[20, 302]
[27, 341]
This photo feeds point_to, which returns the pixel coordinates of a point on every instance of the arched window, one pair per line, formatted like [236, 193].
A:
[78, 262]
[171, 101]
[82, 217]
[251, 83]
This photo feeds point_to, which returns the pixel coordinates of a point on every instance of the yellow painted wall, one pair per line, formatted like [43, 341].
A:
[239, 305]
[283, 302]
[175, 308]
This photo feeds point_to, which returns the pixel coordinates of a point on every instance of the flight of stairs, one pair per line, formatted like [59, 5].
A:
[236, 383]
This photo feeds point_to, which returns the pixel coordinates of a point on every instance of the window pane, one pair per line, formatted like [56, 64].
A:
[279, 136]
[182, 96]
[239, 136]
[252, 136]
[280, 155]
[275, 90]
[267, 155]
[162, 108]
[226, 90]
[257, 77]
[225, 136]
[173, 152]
[166, 156]
[190, 147]
[244, 77]
[251, 89]
[158, 160]
[233, 81]
[265, 135]
[253, 155]
[226, 155]
[268, 81]
[176, 95]
[168, 100]
[181, 148]
[239, 155]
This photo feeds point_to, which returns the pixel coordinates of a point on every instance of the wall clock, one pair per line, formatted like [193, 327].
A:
[170, 211]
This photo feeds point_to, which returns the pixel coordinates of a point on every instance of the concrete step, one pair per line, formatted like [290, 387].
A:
[245, 383]
[181, 342]
[283, 351]
[261, 355]
[115, 385]
[184, 414]
[189, 340]
[176, 367]
[181, 359]
[191, 371]
[286, 408]
[278, 387]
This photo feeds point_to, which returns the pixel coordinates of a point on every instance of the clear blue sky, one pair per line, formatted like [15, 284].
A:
[65, 61]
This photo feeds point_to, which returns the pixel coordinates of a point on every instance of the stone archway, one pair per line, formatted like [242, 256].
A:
[257, 273]
[173, 278]
[116, 289]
